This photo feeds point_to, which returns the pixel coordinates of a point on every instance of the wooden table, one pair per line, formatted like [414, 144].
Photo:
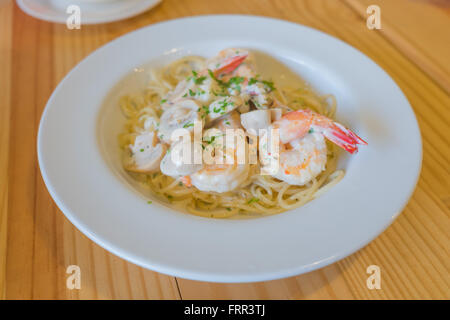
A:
[37, 242]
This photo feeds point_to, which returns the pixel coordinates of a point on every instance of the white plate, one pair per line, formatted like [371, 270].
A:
[92, 12]
[79, 157]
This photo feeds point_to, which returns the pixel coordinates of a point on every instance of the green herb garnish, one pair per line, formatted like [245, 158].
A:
[252, 81]
[268, 84]
[200, 80]
[220, 82]
[211, 140]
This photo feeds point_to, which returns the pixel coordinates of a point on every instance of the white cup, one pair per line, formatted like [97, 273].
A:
[94, 1]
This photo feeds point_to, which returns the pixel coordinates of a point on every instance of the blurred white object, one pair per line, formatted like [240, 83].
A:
[92, 11]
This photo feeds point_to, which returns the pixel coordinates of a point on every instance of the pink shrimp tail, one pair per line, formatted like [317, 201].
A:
[230, 65]
[343, 137]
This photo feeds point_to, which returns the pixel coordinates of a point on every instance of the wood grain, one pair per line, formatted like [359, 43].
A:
[41, 243]
[427, 44]
[5, 104]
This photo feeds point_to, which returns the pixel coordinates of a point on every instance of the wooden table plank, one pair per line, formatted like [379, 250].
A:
[41, 243]
[5, 103]
[426, 44]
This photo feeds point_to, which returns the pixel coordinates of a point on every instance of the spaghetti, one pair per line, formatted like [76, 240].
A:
[260, 194]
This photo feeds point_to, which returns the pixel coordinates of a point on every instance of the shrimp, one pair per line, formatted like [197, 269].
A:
[245, 82]
[231, 120]
[297, 124]
[223, 106]
[303, 153]
[220, 177]
[183, 114]
[302, 160]
[226, 61]
[176, 164]
[224, 176]
[145, 154]
[200, 86]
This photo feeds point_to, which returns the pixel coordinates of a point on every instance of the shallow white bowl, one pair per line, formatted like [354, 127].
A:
[78, 156]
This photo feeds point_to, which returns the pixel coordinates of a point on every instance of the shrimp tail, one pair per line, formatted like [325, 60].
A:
[349, 132]
[230, 64]
[300, 122]
[343, 137]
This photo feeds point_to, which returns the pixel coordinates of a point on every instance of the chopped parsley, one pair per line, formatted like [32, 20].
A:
[269, 84]
[257, 104]
[204, 110]
[221, 108]
[220, 93]
[235, 83]
[142, 150]
[193, 93]
[163, 101]
[211, 140]
[311, 130]
[252, 81]
[197, 80]
[220, 82]
[253, 200]
[200, 80]
[187, 125]
[149, 202]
